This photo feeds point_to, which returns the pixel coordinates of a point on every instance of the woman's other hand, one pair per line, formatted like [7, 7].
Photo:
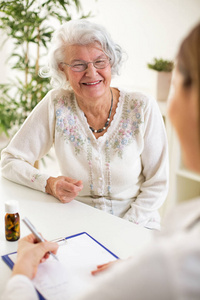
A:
[63, 188]
[30, 253]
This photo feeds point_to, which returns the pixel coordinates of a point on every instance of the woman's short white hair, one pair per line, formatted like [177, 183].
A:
[81, 32]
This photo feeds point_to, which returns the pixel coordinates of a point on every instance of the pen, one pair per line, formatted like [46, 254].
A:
[36, 234]
[59, 240]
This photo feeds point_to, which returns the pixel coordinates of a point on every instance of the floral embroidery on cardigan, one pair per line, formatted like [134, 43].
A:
[66, 122]
[91, 175]
[34, 177]
[129, 125]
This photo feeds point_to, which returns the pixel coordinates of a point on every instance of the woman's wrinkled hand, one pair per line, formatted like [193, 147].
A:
[63, 188]
[30, 254]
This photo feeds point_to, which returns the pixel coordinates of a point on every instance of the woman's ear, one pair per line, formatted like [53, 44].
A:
[61, 67]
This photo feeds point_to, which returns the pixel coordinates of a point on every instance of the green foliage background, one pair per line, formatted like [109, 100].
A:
[161, 65]
[29, 24]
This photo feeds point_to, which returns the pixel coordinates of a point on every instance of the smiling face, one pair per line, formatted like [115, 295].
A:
[91, 83]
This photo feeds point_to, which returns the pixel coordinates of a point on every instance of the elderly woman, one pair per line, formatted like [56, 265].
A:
[111, 145]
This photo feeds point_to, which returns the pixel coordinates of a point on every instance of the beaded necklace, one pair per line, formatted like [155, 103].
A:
[108, 119]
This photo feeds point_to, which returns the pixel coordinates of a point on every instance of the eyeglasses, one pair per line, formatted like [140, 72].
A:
[82, 65]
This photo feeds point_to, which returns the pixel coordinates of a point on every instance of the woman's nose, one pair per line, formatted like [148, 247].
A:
[91, 70]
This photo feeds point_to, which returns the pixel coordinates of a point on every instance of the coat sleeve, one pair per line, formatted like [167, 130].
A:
[155, 169]
[30, 143]
[19, 287]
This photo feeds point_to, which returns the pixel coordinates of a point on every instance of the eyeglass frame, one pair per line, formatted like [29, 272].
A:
[87, 63]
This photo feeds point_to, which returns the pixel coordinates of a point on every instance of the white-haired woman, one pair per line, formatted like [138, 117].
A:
[111, 145]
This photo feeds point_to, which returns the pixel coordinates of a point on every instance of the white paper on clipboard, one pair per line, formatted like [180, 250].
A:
[71, 275]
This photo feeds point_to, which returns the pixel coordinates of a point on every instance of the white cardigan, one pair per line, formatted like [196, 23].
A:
[168, 270]
[124, 172]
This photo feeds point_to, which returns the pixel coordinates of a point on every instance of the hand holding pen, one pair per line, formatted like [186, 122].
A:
[30, 254]
[37, 235]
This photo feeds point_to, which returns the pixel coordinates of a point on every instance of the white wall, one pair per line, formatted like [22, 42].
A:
[144, 28]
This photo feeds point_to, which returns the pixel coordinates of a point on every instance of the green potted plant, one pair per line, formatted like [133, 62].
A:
[162, 70]
[29, 24]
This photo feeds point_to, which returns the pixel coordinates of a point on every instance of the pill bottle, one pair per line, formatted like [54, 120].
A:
[12, 220]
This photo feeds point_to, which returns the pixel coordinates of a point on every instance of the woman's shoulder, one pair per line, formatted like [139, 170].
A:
[132, 95]
[58, 94]
[137, 98]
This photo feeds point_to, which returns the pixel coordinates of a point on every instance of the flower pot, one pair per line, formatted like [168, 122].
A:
[160, 84]
[163, 85]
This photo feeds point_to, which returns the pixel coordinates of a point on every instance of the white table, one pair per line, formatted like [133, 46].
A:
[54, 219]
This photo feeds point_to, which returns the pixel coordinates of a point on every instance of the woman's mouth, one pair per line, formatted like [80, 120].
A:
[92, 83]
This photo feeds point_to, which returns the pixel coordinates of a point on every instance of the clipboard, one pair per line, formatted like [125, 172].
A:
[81, 247]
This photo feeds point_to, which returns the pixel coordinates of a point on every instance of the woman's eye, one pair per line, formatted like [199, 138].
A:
[78, 65]
[99, 61]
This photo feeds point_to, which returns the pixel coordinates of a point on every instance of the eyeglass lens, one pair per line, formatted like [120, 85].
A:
[98, 64]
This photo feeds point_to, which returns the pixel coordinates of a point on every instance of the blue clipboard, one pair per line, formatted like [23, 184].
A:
[10, 263]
